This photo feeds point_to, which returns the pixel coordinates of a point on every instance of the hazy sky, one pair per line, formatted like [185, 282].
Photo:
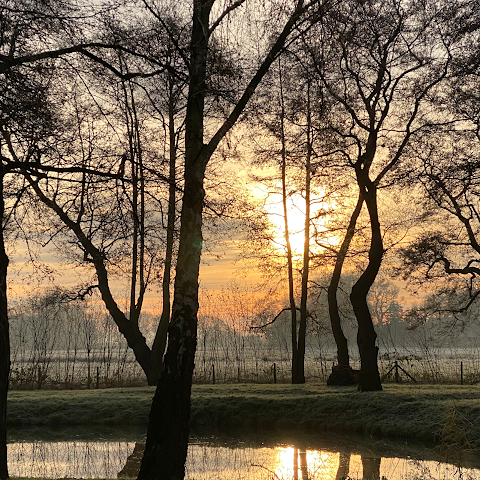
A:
[50, 270]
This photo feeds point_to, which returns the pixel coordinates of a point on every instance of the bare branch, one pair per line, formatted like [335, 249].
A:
[232, 7]
[286, 309]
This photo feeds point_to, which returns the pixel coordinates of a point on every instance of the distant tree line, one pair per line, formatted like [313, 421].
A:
[60, 343]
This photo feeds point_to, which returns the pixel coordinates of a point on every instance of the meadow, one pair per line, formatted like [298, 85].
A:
[435, 414]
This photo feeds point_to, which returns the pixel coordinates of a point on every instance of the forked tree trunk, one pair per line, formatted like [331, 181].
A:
[168, 428]
[343, 357]
[366, 336]
[135, 339]
[129, 329]
[4, 344]
[291, 289]
[302, 331]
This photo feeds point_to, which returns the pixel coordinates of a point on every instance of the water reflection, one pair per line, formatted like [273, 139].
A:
[207, 460]
[67, 459]
[371, 468]
[343, 466]
[132, 465]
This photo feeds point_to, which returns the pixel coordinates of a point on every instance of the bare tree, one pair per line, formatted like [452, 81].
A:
[103, 236]
[168, 425]
[21, 97]
[447, 248]
[290, 113]
[26, 29]
[380, 62]
[4, 344]
[131, 174]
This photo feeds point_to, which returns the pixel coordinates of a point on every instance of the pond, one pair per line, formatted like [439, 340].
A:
[108, 453]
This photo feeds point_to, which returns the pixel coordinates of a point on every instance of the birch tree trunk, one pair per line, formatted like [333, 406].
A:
[168, 428]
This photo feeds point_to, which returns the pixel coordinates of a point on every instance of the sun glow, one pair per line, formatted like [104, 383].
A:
[296, 224]
[295, 463]
[320, 216]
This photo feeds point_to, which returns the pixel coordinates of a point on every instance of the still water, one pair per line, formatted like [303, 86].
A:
[114, 455]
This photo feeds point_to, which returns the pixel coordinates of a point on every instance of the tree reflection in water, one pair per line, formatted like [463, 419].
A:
[371, 468]
[132, 465]
[229, 461]
[343, 466]
[303, 468]
[303, 464]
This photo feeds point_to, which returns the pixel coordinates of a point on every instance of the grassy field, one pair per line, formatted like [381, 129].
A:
[415, 412]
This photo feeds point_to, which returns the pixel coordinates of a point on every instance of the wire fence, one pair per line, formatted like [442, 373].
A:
[228, 365]
[57, 345]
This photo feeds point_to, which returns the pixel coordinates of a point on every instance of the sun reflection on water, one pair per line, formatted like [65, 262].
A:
[205, 461]
[295, 463]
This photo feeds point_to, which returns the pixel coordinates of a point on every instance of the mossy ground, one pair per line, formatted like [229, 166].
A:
[416, 412]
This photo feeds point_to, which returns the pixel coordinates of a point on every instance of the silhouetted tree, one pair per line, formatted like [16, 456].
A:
[380, 61]
[26, 29]
[168, 430]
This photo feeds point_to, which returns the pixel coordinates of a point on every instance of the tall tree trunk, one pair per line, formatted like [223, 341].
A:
[291, 289]
[343, 357]
[4, 343]
[366, 336]
[138, 249]
[160, 341]
[302, 331]
[168, 428]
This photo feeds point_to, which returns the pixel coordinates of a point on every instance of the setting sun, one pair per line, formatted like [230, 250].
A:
[321, 212]
[296, 222]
